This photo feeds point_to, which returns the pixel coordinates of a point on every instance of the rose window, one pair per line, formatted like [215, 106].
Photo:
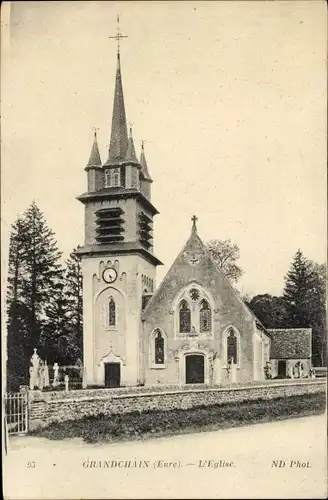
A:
[194, 294]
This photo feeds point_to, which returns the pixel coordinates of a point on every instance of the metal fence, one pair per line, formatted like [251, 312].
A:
[16, 412]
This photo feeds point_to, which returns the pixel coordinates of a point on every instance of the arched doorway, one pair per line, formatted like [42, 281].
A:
[195, 369]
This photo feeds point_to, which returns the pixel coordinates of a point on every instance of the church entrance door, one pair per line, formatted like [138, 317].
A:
[194, 369]
[112, 374]
[282, 369]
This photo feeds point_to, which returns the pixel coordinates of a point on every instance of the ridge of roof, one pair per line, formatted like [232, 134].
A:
[286, 330]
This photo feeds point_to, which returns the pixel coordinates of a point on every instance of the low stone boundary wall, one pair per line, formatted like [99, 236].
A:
[159, 388]
[48, 407]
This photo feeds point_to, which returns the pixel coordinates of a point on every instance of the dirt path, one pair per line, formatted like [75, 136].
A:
[232, 463]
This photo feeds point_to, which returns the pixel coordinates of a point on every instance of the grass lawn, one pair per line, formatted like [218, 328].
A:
[143, 425]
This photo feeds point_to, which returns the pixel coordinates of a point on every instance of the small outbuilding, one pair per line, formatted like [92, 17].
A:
[290, 352]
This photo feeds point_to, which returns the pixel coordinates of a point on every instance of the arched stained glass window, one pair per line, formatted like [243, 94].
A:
[184, 317]
[112, 312]
[232, 354]
[159, 349]
[205, 317]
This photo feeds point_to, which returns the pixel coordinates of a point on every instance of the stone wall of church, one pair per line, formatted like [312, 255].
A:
[46, 408]
[228, 310]
[118, 343]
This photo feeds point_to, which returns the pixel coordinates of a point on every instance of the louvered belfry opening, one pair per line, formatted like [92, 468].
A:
[145, 230]
[109, 225]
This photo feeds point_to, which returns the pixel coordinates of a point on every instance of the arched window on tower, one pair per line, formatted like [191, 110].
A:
[205, 317]
[232, 350]
[159, 349]
[184, 317]
[111, 312]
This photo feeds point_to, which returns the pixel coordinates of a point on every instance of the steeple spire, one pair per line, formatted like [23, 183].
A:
[131, 153]
[94, 160]
[119, 134]
[143, 163]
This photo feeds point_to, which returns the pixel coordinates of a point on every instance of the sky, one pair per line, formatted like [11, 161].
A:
[230, 98]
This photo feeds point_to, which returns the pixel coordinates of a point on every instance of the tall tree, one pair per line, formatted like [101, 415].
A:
[317, 314]
[225, 254]
[17, 313]
[33, 275]
[55, 327]
[44, 271]
[73, 296]
[16, 262]
[17, 352]
[270, 310]
[304, 295]
[299, 282]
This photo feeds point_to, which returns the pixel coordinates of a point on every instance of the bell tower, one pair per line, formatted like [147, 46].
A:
[117, 258]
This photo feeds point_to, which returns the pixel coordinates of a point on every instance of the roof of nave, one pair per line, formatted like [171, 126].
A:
[291, 343]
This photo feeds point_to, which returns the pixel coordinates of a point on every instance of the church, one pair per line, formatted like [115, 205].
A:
[194, 328]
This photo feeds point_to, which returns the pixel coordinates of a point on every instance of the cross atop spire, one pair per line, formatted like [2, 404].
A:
[118, 35]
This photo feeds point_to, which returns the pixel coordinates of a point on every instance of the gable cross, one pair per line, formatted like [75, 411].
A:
[194, 227]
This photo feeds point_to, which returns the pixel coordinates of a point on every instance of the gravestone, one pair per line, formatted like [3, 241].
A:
[46, 374]
[41, 375]
[55, 381]
[66, 379]
[34, 369]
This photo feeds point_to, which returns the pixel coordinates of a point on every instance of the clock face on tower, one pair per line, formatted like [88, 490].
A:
[109, 275]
